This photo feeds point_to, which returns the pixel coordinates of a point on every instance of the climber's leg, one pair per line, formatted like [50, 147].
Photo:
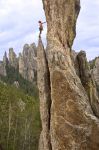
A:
[40, 32]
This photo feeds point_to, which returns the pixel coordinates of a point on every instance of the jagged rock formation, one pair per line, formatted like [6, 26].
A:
[13, 58]
[27, 62]
[88, 81]
[2, 69]
[72, 123]
[95, 72]
[5, 59]
[3, 65]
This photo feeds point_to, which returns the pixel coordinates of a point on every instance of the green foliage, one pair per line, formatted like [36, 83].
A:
[14, 75]
[19, 119]
[92, 63]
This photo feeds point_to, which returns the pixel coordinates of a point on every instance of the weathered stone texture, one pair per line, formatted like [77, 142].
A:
[13, 58]
[44, 94]
[2, 69]
[95, 72]
[73, 125]
[28, 63]
[88, 81]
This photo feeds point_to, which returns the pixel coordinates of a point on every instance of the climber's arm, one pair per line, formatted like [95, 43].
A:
[43, 22]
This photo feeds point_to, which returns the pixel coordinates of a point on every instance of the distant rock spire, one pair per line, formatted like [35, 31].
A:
[3, 65]
[13, 61]
[5, 59]
[28, 63]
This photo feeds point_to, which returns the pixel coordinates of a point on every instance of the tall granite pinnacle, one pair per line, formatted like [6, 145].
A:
[44, 94]
[69, 122]
[27, 62]
[5, 59]
[88, 82]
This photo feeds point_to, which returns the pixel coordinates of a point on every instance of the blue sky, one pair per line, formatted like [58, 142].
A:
[19, 25]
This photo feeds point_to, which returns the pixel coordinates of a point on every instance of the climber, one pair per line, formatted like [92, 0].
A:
[40, 27]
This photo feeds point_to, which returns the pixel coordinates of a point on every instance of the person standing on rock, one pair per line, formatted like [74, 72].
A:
[41, 27]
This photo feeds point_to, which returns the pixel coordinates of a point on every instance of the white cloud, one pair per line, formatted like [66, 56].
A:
[88, 28]
[19, 25]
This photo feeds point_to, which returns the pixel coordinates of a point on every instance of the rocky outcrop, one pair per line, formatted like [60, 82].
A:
[84, 69]
[27, 62]
[3, 65]
[72, 123]
[13, 58]
[95, 72]
[43, 81]
[88, 81]
[5, 59]
[2, 69]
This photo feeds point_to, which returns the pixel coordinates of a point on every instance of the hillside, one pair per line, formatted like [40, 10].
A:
[14, 77]
[19, 119]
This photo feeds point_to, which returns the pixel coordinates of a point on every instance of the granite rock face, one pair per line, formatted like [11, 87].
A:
[95, 72]
[5, 59]
[43, 82]
[61, 20]
[13, 58]
[72, 122]
[2, 69]
[27, 62]
[3, 65]
[88, 81]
